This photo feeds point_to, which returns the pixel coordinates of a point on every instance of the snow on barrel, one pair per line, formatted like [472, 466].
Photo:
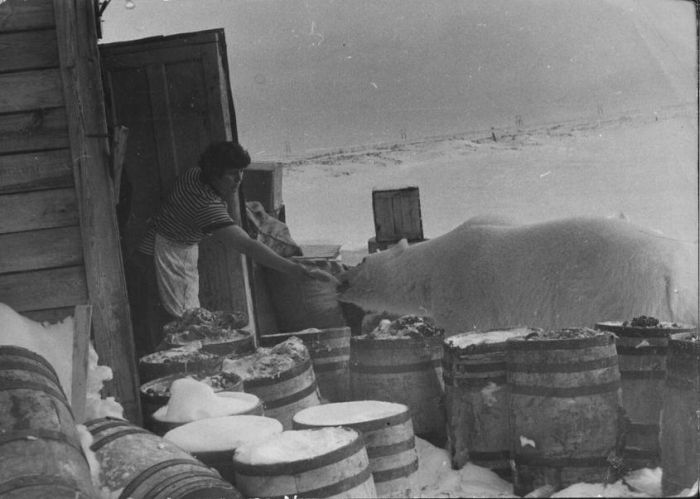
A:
[476, 398]
[680, 419]
[281, 376]
[641, 349]
[330, 355]
[217, 332]
[401, 361]
[40, 450]
[565, 407]
[387, 430]
[325, 462]
[191, 400]
[213, 441]
[155, 394]
[135, 463]
[185, 359]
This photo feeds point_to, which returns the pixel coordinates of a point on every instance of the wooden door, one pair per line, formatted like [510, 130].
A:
[174, 96]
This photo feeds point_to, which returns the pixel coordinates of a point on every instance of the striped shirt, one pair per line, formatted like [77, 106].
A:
[192, 211]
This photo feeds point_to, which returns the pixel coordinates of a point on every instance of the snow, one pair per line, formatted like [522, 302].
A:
[633, 165]
[54, 342]
[191, 400]
[347, 413]
[222, 433]
[295, 445]
[489, 337]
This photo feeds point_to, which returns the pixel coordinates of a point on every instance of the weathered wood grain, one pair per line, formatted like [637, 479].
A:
[26, 14]
[26, 50]
[34, 171]
[34, 130]
[51, 315]
[30, 90]
[38, 210]
[40, 249]
[44, 289]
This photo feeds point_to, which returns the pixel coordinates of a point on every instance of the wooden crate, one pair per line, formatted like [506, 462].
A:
[397, 215]
[263, 182]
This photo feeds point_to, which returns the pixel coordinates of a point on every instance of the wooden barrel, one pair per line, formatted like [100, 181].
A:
[302, 304]
[476, 398]
[286, 393]
[680, 420]
[155, 394]
[214, 441]
[387, 430]
[145, 466]
[642, 357]
[250, 404]
[326, 462]
[330, 355]
[177, 360]
[235, 342]
[405, 371]
[565, 402]
[40, 452]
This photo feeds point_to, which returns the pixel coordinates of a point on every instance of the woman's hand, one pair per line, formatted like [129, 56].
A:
[317, 274]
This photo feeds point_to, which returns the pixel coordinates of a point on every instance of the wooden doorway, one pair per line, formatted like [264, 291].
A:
[174, 96]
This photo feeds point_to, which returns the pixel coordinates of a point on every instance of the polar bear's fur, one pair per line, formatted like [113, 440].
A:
[574, 272]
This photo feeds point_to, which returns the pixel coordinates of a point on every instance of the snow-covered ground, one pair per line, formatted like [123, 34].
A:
[641, 165]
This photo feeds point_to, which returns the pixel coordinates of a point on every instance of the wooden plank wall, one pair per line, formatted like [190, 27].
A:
[59, 244]
[42, 271]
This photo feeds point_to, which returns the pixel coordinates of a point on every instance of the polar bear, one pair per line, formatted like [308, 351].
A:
[489, 273]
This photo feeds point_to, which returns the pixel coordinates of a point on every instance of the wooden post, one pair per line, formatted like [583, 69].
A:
[82, 320]
[84, 100]
[119, 138]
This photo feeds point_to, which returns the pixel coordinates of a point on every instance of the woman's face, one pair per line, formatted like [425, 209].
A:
[228, 182]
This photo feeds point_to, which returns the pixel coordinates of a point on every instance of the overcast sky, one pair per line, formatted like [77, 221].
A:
[322, 73]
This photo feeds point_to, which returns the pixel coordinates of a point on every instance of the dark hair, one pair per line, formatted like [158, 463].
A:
[221, 156]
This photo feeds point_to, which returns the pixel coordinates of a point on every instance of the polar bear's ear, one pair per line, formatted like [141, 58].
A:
[399, 247]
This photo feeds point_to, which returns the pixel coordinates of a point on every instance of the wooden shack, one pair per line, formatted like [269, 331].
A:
[59, 242]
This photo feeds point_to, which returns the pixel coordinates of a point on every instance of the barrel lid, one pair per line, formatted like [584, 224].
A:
[222, 433]
[297, 451]
[476, 339]
[662, 329]
[362, 415]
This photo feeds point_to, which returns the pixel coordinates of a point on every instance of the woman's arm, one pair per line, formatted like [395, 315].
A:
[236, 238]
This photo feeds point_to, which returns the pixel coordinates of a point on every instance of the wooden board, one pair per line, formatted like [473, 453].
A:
[28, 50]
[43, 289]
[40, 249]
[18, 15]
[38, 210]
[34, 171]
[104, 274]
[34, 130]
[397, 214]
[51, 315]
[30, 90]
[81, 350]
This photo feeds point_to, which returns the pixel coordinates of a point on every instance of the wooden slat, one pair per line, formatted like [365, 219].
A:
[42, 289]
[34, 171]
[51, 315]
[26, 14]
[35, 130]
[30, 90]
[40, 249]
[26, 50]
[104, 273]
[38, 210]
[81, 350]
[397, 214]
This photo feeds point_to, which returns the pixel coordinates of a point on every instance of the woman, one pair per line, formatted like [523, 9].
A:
[195, 209]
